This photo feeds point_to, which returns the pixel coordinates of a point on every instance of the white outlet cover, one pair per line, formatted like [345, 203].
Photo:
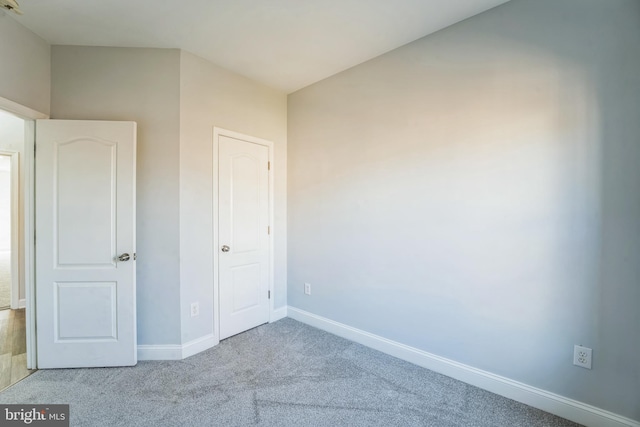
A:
[582, 356]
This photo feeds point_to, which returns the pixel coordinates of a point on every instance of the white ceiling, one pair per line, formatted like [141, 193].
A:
[286, 44]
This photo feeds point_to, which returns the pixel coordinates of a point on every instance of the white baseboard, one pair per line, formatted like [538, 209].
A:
[198, 345]
[160, 352]
[179, 352]
[176, 351]
[550, 402]
[22, 303]
[278, 313]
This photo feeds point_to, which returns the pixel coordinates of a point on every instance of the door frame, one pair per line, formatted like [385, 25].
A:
[217, 133]
[14, 218]
[29, 116]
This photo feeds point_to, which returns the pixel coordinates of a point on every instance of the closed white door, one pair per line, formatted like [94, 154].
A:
[85, 243]
[243, 215]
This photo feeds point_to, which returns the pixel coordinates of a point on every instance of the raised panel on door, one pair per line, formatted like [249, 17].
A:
[245, 287]
[244, 203]
[100, 323]
[85, 209]
[85, 219]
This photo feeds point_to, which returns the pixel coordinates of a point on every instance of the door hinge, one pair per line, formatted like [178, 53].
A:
[268, 229]
[268, 166]
[269, 294]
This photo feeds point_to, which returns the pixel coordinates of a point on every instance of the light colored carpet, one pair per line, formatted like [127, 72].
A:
[282, 374]
[5, 279]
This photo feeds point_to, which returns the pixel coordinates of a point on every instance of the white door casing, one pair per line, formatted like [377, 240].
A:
[85, 219]
[243, 237]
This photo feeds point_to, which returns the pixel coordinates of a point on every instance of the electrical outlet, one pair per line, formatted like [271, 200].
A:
[195, 309]
[307, 288]
[582, 356]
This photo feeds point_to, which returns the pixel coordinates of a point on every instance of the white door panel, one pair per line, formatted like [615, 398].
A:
[243, 215]
[85, 219]
[92, 196]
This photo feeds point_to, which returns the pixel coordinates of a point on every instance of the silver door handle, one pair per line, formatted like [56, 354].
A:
[124, 257]
[225, 248]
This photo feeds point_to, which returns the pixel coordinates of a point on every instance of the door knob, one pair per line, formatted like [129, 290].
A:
[225, 248]
[124, 257]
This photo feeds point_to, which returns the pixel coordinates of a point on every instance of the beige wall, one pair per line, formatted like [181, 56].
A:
[211, 96]
[24, 65]
[141, 85]
[474, 194]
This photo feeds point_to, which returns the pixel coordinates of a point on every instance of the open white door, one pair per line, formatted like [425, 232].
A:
[85, 243]
[243, 224]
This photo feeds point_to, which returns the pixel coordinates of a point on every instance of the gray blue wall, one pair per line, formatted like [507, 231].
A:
[176, 98]
[212, 96]
[25, 70]
[474, 194]
[142, 85]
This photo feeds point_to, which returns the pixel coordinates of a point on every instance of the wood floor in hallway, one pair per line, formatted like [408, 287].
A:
[13, 347]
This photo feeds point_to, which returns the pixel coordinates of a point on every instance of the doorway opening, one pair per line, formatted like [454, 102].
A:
[13, 330]
[19, 114]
